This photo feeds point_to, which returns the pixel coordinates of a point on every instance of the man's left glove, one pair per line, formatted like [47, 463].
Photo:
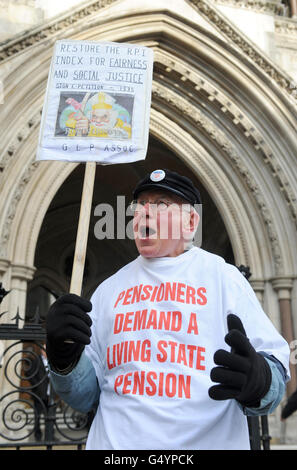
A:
[67, 319]
[245, 375]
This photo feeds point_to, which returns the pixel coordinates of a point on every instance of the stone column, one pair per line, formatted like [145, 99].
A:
[258, 287]
[283, 287]
[4, 265]
[293, 4]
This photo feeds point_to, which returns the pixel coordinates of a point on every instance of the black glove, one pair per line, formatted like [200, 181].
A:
[67, 319]
[245, 375]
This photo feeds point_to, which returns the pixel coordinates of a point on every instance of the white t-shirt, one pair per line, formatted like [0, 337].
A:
[156, 326]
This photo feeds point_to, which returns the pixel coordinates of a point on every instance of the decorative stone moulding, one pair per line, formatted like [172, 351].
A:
[239, 117]
[13, 207]
[286, 27]
[236, 37]
[259, 6]
[221, 140]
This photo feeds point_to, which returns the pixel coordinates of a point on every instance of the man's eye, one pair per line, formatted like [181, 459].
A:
[162, 205]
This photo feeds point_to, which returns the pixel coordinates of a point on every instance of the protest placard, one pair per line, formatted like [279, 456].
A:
[97, 104]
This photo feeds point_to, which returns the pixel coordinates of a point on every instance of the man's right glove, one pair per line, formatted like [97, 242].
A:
[67, 320]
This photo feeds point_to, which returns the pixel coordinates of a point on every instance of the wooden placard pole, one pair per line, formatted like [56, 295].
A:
[84, 220]
[83, 229]
[82, 232]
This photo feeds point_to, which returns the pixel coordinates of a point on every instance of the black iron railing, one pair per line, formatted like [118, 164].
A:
[258, 426]
[31, 414]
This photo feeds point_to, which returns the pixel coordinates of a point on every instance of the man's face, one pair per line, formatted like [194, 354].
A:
[163, 224]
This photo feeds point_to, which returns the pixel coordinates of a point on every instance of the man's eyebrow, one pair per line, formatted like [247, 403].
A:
[167, 196]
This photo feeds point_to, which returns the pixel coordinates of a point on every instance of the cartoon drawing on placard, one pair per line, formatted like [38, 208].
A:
[105, 115]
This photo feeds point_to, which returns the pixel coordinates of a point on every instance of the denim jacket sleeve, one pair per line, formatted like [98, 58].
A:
[79, 388]
[276, 392]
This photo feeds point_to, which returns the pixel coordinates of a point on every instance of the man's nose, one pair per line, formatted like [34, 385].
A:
[144, 208]
[147, 207]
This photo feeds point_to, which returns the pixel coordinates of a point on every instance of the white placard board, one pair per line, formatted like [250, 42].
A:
[97, 103]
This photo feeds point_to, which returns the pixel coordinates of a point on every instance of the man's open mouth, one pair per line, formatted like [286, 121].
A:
[146, 231]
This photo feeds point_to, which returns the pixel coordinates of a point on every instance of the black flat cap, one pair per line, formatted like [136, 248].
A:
[170, 181]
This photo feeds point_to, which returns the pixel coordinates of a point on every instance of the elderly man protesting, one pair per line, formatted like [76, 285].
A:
[174, 349]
